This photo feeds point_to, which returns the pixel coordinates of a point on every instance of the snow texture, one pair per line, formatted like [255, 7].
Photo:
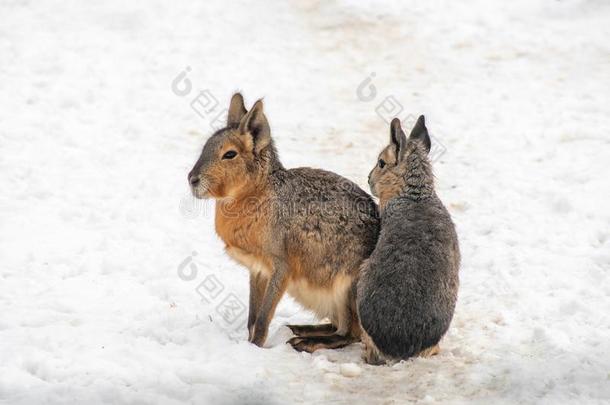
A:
[114, 287]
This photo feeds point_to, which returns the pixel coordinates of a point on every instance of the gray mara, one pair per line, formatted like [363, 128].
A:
[302, 231]
[408, 288]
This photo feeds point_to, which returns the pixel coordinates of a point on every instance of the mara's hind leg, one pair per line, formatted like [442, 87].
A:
[431, 351]
[324, 329]
[311, 344]
[349, 330]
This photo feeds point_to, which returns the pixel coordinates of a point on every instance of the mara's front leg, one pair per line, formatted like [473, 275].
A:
[259, 277]
[258, 284]
[276, 286]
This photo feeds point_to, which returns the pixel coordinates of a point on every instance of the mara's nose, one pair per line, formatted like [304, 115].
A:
[194, 180]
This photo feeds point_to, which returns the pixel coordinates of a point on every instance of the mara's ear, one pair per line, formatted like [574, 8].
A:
[255, 126]
[237, 110]
[420, 133]
[397, 137]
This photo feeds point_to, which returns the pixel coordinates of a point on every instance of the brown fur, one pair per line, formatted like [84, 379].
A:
[275, 222]
[390, 184]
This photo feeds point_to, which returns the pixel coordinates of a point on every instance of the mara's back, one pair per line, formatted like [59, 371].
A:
[328, 222]
[411, 279]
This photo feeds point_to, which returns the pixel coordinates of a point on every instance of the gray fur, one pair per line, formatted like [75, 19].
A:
[408, 288]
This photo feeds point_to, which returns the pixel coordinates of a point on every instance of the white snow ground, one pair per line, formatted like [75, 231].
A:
[95, 218]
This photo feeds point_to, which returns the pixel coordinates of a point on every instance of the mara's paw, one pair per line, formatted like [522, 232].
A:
[313, 330]
[257, 336]
[370, 353]
[431, 351]
[311, 344]
[372, 356]
[373, 359]
[299, 344]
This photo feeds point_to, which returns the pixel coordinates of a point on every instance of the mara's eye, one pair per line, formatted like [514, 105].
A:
[381, 163]
[229, 154]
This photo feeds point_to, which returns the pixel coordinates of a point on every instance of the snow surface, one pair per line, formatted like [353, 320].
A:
[101, 298]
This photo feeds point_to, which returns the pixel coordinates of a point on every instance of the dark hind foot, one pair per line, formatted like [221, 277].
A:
[311, 344]
[325, 329]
